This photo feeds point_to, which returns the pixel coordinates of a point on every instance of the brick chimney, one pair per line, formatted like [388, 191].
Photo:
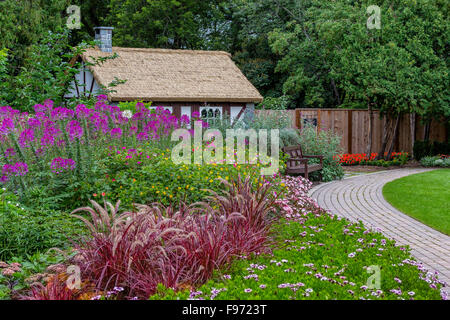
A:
[104, 36]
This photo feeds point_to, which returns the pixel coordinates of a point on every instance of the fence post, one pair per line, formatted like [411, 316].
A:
[318, 120]
[350, 130]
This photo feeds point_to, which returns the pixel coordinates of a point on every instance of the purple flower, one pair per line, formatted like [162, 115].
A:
[116, 133]
[142, 136]
[74, 129]
[185, 119]
[26, 137]
[248, 290]
[34, 123]
[39, 108]
[102, 97]
[196, 114]
[7, 126]
[17, 169]
[47, 140]
[59, 165]
[10, 152]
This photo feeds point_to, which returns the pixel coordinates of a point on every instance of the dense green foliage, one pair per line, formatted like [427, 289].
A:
[430, 148]
[306, 54]
[423, 196]
[322, 258]
[435, 161]
[29, 230]
[325, 143]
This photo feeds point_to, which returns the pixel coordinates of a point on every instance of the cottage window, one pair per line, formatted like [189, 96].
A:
[212, 115]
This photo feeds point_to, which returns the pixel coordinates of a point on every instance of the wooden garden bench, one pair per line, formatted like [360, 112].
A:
[298, 162]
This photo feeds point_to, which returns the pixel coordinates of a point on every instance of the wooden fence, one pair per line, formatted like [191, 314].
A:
[353, 127]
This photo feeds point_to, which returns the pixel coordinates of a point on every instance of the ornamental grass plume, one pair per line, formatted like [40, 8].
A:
[176, 248]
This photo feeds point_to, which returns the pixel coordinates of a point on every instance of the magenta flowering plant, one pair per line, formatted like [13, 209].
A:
[74, 141]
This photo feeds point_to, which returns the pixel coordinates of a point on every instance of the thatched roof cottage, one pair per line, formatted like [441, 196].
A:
[182, 81]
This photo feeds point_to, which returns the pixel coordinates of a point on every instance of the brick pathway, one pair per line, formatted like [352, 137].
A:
[361, 198]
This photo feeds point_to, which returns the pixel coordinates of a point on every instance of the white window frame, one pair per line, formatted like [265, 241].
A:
[214, 109]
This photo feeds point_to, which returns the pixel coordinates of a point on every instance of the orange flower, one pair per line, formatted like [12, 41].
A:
[94, 194]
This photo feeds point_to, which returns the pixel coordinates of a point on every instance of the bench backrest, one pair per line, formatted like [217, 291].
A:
[293, 152]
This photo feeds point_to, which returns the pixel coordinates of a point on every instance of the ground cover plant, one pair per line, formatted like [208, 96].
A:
[423, 196]
[320, 258]
[436, 161]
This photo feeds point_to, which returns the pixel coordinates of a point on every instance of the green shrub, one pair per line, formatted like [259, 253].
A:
[428, 161]
[325, 143]
[131, 105]
[430, 148]
[435, 161]
[31, 266]
[323, 258]
[27, 231]
[150, 176]
[271, 103]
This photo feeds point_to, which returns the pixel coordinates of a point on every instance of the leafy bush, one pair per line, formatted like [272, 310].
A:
[133, 106]
[148, 175]
[27, 270]
[430, 148]
[437, 161]
[276, 120]
[319, 257]
[271, 103]
[27, 231]
[324, 143]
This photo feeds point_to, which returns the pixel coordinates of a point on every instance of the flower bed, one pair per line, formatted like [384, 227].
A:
[320, 257]
[351, 159]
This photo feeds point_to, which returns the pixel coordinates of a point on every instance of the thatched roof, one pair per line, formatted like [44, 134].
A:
[173, 75]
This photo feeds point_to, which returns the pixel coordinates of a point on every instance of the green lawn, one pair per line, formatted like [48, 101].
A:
[423, 196]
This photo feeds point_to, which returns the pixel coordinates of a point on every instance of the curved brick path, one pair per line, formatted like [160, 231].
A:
[361, 198]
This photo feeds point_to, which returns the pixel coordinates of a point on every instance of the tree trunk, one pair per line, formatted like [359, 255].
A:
[412, 126]
[394, 137]
[385, 138]
[426, 131]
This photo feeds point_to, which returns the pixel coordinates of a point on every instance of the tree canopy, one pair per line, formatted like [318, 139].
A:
[309, 53]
